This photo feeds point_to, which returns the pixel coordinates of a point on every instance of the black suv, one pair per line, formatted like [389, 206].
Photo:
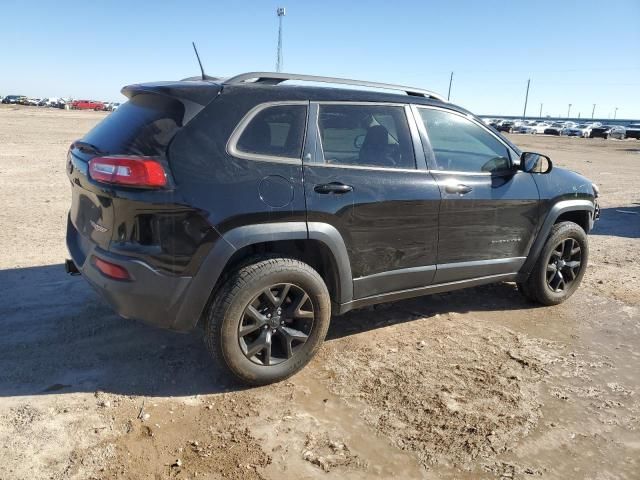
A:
[262, 209]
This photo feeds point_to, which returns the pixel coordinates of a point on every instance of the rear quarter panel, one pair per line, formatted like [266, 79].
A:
[226, 188]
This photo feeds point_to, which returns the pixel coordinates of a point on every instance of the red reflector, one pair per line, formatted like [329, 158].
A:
[128, 171]
[110, 269]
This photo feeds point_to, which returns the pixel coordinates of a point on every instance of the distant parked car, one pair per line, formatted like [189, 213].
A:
[633, 131]
[87, 105]
[111, 106]
[32, 101]
[608, 131]
[13, 99]
[554, 129]
[583, 130]
[53, 102]
[507, 126]
[534, 128]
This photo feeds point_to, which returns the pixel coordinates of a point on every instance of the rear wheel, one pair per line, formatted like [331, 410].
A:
[560, 267]
[268, 320]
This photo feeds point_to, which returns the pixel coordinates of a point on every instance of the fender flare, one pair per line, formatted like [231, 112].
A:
[212, 266]
[555, 211]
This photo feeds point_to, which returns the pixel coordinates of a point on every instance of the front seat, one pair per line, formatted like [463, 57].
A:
[374, 148]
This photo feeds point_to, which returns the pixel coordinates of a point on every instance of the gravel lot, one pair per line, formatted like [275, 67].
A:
[471, 384]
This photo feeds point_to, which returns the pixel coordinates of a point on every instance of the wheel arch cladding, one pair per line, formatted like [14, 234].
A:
[321, 246]
[569, 210]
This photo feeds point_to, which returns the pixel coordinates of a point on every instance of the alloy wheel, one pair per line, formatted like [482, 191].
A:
[276, 324]
[563, 265]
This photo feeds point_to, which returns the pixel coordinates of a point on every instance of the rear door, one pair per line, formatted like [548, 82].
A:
[489, 210]
[365, 175]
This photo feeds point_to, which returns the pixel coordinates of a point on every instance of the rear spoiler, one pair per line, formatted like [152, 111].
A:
[194, 95]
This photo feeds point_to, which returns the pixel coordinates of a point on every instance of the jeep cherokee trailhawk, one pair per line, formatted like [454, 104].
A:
[263, 208]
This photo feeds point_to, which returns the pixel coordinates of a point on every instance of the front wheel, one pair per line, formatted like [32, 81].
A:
[560, 266]
[268, 320]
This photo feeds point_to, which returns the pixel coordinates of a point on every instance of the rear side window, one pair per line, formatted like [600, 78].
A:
[142, 126]
[275, 131]
[366, 135]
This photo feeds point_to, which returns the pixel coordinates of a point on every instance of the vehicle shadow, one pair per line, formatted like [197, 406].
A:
[619, 222]
[59, 337]
[494, 297]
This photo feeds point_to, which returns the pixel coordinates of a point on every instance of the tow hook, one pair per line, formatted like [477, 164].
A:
[70, 267]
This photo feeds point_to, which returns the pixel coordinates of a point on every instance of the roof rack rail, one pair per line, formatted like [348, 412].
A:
[273, 78]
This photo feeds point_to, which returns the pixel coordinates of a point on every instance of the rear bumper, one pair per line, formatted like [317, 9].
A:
[150, 296]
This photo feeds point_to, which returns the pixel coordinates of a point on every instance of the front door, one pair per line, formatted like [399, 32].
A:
[363, 179]
[489, 211]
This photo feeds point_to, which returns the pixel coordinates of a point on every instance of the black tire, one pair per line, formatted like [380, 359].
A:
[548, 286]
[242, 295]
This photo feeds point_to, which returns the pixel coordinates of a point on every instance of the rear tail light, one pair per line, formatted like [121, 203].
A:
[110, 269]
[128, 171]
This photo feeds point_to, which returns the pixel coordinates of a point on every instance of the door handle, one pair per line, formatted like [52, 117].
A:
[333, 187]
[459, 188]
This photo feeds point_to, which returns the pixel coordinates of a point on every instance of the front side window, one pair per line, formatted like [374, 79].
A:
[460, 145]
[366, 135]
[276, 131]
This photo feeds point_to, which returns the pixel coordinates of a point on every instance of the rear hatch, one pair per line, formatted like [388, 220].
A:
[143, 127]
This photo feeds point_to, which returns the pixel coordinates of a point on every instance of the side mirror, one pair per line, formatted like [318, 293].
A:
[532, 162]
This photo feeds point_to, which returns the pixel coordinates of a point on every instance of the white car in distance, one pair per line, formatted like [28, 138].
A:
[534, 128]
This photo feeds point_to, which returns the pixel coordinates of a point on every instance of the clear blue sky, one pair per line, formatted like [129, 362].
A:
[579, 52]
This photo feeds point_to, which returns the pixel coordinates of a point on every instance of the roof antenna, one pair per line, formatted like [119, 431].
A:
[204, 77]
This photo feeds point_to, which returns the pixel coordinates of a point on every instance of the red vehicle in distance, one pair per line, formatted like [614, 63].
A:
[87, 105]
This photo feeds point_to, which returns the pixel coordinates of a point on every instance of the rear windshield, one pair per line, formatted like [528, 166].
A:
[142, 126]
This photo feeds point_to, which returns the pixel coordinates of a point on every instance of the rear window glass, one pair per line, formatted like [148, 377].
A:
[142, 126]
[276, 131]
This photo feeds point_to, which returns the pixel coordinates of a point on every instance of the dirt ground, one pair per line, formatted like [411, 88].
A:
[471, 384]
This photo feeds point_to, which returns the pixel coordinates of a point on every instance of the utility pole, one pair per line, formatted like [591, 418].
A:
[540, 114]
[593, 111]
[615, 113]
[526, 99]
[450, 82]
[281, 13]
[569, 111]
